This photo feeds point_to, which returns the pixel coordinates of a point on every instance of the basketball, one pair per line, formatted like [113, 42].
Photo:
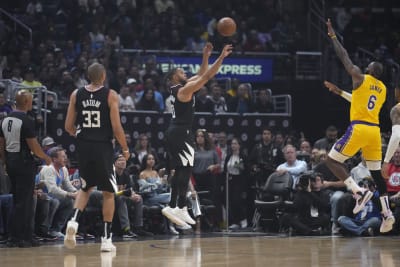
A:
[226, 26]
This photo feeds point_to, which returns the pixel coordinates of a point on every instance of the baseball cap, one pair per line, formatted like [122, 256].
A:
[48, 141]
[117, 156]
[130, 81]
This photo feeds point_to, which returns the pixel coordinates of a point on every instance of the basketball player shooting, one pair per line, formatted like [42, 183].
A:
[179, 137]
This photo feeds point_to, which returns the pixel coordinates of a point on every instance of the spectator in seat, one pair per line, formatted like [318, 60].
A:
[148, 101]
[203, 102]
[126, 103]
[127, 199]
[152, 184]
[330, 138]
[30, 79]
[58, 186]
[368, 220]
[47, 143]
[292, 165]
[241, 103]
[219, 102]
[263, 103]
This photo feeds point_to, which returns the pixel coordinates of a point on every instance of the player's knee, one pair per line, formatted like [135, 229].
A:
[373, 165]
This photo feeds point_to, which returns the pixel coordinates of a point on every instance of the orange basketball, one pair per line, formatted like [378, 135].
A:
[226, 26]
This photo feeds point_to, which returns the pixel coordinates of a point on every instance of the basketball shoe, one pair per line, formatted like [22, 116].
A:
[107, 245]
[170, 213]
[387, 222]
[362, 197]
[70, 234]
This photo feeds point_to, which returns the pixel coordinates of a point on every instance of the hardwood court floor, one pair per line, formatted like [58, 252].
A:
[217, 250]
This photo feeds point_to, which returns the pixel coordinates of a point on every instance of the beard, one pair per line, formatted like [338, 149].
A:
[183, 81]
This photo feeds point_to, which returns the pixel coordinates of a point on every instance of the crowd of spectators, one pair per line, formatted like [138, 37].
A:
[70, 35]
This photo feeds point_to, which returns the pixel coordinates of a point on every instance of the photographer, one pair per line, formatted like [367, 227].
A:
[310, 217]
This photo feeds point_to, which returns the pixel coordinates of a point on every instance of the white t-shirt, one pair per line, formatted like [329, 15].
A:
[126, 104]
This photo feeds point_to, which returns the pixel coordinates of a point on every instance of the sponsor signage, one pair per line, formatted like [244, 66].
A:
[245, 69]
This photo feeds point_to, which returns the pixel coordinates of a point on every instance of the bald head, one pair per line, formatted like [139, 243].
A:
[375, 69]
[23, 100]
[96, 73]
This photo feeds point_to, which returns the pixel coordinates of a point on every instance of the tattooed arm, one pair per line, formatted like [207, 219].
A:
[341, 52]
[394, 139]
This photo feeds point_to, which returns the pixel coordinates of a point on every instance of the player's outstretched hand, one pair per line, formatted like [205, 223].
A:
[227, 50]
[332, 87]
[207, 49]
[331, 31]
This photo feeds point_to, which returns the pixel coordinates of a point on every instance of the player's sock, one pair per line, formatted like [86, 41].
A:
[77, 215]
[107, 229]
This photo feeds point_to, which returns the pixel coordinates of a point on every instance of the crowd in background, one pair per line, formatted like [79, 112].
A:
[70, 35]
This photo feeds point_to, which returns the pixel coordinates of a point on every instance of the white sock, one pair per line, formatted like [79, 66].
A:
[352, 185]
[385, 204]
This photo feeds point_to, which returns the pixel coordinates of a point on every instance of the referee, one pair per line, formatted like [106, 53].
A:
[18, 143]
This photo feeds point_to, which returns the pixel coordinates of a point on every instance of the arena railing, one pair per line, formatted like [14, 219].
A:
[40, 96]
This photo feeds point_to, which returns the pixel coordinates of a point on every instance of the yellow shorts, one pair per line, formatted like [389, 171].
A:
[362, 136]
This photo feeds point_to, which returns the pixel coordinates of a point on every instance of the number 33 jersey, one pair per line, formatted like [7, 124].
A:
[93, 115]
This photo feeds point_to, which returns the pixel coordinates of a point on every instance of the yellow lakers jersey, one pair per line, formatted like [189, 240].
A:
[367, 100]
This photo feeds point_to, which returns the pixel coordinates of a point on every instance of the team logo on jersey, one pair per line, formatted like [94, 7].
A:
[394, 179]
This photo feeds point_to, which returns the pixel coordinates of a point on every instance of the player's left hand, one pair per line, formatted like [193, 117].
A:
[208, 49]
[331, 31]
[333, 88]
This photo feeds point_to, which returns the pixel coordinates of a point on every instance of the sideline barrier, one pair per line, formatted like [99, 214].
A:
[247, 127]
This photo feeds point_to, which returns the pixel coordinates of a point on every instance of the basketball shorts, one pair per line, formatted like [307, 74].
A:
[179, 142]
[362, 136]
[95, 163]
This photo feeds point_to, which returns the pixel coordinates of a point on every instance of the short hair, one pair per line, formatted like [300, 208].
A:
[171, 72]
[53, 152]
[331, 128]
[95, 72]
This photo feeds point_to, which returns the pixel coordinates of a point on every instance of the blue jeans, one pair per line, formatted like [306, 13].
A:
[358, 227]
[334, 207]
[157, 200]
[121, 207]
[61, 215]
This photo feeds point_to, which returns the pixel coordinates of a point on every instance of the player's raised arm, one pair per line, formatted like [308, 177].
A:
[341, 52]
[185, 94]
[207, 49]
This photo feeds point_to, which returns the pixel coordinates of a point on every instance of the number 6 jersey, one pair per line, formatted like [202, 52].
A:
[93, 115]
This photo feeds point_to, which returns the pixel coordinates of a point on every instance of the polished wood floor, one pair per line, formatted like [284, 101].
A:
[217, 250]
